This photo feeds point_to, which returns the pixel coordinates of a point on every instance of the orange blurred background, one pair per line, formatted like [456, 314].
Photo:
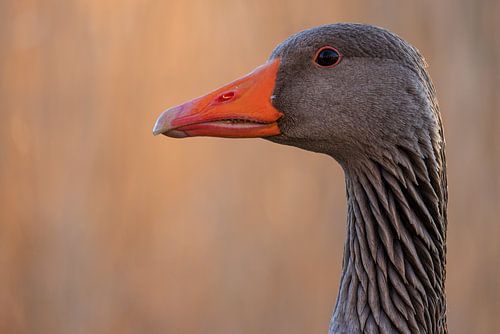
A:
[107, 229]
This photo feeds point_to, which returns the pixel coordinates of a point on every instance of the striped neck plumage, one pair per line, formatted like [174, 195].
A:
[395, 253]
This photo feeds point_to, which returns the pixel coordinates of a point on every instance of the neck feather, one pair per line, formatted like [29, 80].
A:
[394, 257]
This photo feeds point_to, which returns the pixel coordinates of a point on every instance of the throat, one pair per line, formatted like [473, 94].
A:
[395, 253]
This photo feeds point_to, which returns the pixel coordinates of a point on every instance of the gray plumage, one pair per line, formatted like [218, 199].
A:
[376, 113]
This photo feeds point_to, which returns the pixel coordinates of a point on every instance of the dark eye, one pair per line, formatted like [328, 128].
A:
[327, 56]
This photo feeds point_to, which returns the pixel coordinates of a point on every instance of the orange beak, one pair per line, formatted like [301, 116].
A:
[240, 109]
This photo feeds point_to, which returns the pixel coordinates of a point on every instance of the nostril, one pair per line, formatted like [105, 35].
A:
[224, 97]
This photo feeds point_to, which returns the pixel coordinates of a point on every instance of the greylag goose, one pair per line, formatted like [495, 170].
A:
[361, 95]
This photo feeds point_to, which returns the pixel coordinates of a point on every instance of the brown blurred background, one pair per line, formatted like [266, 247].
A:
[107, 229]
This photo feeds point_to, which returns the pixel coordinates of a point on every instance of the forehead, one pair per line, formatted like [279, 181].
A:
[352, 40]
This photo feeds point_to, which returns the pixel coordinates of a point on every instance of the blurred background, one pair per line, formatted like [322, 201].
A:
[107, 229]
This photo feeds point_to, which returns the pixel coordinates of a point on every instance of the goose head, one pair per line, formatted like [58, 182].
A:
[348, 90]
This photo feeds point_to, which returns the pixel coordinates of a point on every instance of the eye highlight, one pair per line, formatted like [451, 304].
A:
[327, 56]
